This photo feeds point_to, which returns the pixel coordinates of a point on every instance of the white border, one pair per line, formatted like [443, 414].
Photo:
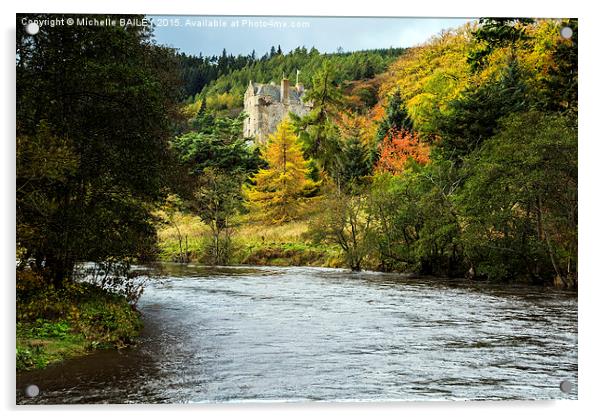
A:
[590, 155]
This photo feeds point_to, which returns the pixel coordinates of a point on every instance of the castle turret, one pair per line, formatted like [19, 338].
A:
[284, 86]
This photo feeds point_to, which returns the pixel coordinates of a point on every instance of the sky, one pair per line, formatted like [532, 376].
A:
[209, 35]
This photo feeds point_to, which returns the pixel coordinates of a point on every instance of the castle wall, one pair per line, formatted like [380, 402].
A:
[264, 113]
[251, 122]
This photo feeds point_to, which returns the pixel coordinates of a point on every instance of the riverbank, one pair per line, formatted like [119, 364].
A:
[254, 243]
[54, 325]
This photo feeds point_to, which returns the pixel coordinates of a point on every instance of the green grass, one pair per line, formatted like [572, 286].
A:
[43, 342]
[254, 243]
[53, 325]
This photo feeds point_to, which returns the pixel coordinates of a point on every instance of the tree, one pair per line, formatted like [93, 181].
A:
[317, 130]
[397, 148]
[560, 85]
[217, 201]
[474, 116]
[169, 210]
[217, 160]
[495, 33]
[110, 97]
[353, 164]
[343, 219]
[276, 191]
[520, 200]
[396, 117]
[217, 142]
[397, 219]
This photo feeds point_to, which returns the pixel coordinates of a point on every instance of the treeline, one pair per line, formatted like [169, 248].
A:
[222, 81]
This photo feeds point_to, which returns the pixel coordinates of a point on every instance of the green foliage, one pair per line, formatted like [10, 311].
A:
[53, 324]
[317, 130]
[216, 142]
[474, 116]
[495, 33]
[343, 219]
[521, 199]
[353, 164]
[218, 200]
[396, 116]
[560, 87]
[103, 97]
[394, 205]
[218, 161]
[349, 66]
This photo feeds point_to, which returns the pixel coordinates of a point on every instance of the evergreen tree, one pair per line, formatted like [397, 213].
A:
[277, 190]
[353, 163]
[317, 130]
[396, 116]
[474, 116]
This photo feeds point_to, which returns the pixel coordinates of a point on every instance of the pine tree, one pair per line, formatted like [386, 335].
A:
[277, 190]
[353, 163]
[396, 117]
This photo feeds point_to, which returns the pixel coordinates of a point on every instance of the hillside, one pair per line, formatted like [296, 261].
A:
[222, 80]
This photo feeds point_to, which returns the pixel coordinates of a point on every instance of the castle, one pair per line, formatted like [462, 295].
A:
[266, 105]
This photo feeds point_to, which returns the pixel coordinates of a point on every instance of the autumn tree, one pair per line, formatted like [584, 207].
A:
[277, 190]
[397, 148]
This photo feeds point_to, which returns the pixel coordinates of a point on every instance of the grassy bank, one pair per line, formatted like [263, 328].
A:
[53, 325]
[254, 243]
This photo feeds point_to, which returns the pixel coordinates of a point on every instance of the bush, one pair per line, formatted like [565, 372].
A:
[54, 324]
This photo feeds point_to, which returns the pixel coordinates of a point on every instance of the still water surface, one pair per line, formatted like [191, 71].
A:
[242, 334]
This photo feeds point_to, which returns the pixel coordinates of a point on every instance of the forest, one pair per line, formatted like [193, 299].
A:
[454, 158]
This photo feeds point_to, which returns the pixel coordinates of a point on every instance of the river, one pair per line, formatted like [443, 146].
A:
[299, 334]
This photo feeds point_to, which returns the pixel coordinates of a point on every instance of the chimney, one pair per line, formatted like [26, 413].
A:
[284, 90]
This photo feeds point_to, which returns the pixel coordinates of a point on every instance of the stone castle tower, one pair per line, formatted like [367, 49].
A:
[266, 105]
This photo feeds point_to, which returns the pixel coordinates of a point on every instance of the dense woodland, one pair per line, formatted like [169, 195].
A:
[456, 158]
[460, 159]
[223, 79]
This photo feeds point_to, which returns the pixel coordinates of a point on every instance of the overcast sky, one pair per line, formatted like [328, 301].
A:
[241, 35]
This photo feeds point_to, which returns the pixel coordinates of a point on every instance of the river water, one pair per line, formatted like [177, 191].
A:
[298, 334]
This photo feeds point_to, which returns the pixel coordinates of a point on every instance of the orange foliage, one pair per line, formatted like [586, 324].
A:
[397, 148]
[378, 112]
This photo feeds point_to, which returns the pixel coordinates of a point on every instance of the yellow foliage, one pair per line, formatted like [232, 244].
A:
[431, 75]
[276, 195]
[222, 101]
[192, 109]
[434, 74]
